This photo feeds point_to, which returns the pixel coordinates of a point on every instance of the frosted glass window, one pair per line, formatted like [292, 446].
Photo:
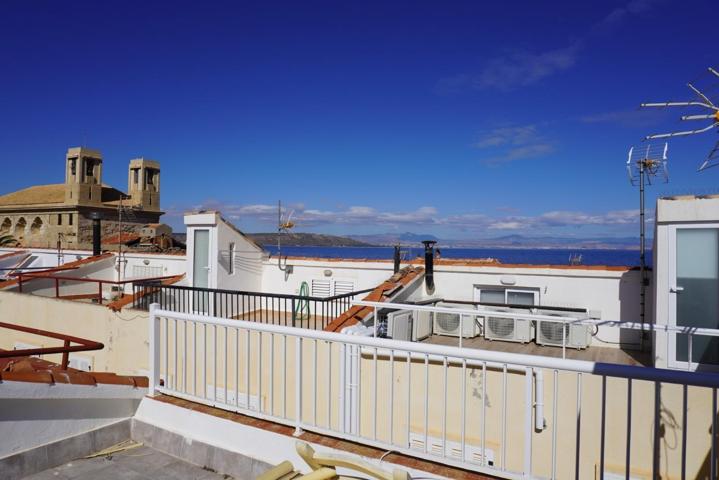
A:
[697, 270]
[491, 296]
[201, 258]
[520, 298]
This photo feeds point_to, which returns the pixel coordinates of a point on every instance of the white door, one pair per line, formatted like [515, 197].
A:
[201, 300]
[694, 295]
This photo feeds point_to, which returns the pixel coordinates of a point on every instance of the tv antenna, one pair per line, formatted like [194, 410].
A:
[711, 114]
[284, 226]
[645, 164]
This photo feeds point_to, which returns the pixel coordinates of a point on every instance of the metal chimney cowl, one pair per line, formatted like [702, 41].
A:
[429, 264]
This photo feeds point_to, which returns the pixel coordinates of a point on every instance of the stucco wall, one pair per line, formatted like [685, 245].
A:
[124, 333]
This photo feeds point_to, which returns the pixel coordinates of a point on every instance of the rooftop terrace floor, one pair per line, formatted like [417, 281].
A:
[593, 353]
[141, 463]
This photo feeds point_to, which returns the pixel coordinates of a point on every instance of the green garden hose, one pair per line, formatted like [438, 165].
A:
[302, 309]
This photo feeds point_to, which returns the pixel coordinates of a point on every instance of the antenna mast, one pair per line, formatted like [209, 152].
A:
[283, 226]
[704, 103]
[645, 163]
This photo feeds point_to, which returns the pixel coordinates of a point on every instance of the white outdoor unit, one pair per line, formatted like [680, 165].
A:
[404, 325]
[449, 324]
[553, 333]
[507, 328]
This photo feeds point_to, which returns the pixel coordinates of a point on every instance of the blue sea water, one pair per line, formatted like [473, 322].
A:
[534, 256]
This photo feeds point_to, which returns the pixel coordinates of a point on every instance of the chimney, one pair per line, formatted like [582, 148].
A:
[396, 258]
[96, 233]
[429, 264]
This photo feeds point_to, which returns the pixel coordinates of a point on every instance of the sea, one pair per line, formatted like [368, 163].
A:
[533, 256]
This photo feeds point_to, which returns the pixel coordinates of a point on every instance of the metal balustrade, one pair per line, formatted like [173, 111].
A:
[508, 415]
[274, 308]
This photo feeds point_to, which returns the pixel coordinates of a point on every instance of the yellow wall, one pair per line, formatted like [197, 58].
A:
[125, 337]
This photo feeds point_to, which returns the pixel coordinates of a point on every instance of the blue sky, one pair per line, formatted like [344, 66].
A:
[460, 119]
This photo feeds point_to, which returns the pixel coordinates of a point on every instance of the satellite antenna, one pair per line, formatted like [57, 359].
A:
[284, 225]
[645, 164]
[711, 114]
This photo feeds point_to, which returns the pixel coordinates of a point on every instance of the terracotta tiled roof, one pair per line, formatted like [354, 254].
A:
[381, 293]
[68, 265]
[129, 299]
[31, 369]
[54, 194]
[38, 194]
[472, 262]
[12, 254]
[120, 238]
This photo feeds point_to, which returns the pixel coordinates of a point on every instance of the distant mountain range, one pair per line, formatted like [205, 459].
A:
[307, 240]
[506, 241]
[415, 239]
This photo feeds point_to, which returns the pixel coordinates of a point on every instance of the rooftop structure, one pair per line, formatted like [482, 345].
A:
[61, 214]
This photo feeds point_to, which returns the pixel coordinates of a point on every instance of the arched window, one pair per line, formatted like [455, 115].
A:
[36, 225]
[20, 227]
[5, 226]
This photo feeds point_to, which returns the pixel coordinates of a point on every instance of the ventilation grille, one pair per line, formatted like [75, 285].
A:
[343, 286]
[449, 322]
[321, 288]
[500, 327]
[142, 271]
[472, 454]
[551, 332]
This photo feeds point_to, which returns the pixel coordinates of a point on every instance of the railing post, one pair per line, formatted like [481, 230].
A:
[65, 355]
[154, 339]
[293, 312]
[57, 288]
[19, 283]
[99, 292]
[528, 424]
[298, 386]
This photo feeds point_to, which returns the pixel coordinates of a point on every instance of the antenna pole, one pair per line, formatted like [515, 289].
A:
[642, 258]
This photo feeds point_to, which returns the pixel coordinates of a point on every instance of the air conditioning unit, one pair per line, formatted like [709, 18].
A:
[507, 328]
[449, 324]
[554, 333]
[403, 325]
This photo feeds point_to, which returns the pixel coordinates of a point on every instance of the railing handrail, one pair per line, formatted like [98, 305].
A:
[85, 345]
[653, 374]
[36, 275]
[529, 316]
[288, 296]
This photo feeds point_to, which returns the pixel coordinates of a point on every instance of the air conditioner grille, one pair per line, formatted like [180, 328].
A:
[552, 331]
[501, 327]
[449, 322]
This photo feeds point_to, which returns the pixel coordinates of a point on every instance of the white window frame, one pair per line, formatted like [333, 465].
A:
[478, 291]
[231, 249]
[672, 361]
[332, 285]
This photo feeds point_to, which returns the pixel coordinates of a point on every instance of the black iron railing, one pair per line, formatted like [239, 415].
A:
[274, 308]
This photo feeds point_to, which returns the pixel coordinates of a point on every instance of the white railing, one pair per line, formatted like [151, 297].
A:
[470, 314]
[473, 409]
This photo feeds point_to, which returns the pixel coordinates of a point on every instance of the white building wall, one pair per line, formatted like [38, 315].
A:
[247, 274]
[670, 213]
[35, 414]
[364, 274]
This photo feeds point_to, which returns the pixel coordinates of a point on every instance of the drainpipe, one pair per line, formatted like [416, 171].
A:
[429, 264]
[396, 258]
[96, 236]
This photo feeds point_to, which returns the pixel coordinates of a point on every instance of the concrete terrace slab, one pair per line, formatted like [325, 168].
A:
[141, 463]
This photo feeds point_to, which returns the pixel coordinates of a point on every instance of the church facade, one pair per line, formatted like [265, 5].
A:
[60, 215]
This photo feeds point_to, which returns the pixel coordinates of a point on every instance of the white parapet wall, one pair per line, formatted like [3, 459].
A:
[35, 414]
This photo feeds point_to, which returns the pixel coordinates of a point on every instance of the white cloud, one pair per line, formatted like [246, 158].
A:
[522, 68]
[427, 216]
[510, 143]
